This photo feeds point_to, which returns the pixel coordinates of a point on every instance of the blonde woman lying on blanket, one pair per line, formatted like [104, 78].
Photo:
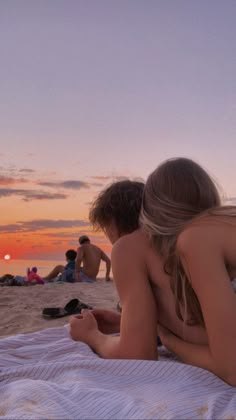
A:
[180, 279]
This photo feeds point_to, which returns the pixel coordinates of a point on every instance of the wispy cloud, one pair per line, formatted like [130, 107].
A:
[29, 195]
[57, 243]
[63, 235]
[38, 246]
[41, 224]
[27, 170]
[6, 180]
[101, 178]
[111, 178]
[70, 184]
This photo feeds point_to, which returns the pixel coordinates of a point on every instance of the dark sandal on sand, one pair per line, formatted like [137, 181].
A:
[73, 307]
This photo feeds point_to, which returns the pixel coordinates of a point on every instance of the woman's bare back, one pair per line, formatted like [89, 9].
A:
[164, 297]
[160, 284]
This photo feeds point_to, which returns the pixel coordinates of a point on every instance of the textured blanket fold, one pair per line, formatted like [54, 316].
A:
[47, 375]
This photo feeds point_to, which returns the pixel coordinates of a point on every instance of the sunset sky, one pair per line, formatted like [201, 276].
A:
[93, 91]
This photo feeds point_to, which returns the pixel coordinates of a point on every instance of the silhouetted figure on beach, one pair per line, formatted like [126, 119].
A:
[66, 272]
[88, 261]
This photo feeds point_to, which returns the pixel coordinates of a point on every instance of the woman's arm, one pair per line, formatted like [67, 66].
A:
[193, 354]
[201, 253]
[138, 331]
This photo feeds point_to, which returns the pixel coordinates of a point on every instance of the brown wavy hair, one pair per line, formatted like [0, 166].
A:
[121, 203]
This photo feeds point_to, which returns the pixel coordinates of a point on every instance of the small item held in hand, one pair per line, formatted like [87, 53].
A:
[73, 307]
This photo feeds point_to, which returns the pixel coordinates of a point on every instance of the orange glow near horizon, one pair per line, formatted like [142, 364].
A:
[24, 237]
[43, 245]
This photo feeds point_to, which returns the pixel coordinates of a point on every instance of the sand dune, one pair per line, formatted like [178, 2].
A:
[21, 307]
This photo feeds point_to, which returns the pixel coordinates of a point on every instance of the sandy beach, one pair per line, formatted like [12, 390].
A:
[21, 307]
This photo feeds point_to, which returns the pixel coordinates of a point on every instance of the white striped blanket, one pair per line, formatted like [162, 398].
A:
[46, 375]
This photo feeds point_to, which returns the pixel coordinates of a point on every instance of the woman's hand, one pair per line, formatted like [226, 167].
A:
[83, 327]
[108, 321]
[170, 340]
[194, 354]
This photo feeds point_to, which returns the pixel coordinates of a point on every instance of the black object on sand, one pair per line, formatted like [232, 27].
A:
[73, 307]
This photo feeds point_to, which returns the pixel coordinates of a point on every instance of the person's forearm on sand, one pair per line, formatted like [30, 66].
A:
[107, 260]
[108, 265]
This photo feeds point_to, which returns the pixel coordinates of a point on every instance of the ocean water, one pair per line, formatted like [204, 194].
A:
[19, 267]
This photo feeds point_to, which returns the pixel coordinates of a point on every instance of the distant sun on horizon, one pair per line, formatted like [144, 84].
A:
[7, 257]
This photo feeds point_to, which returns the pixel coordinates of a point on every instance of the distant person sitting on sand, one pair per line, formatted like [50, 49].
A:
[10, 280]
[33, 277]
[90, 256]
[66, 272]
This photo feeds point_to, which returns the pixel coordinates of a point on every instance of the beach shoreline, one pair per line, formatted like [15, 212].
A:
[21, 307]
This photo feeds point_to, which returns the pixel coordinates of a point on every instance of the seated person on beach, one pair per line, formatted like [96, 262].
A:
[174, 276]
[90, 256]
[65, 273]
[31, 279]
[10, 280]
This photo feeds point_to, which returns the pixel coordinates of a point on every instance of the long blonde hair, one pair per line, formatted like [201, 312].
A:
[176, 193]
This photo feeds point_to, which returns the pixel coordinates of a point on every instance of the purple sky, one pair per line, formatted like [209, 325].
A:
[94, 89]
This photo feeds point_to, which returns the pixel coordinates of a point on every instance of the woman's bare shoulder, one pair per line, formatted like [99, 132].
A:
[207, 231]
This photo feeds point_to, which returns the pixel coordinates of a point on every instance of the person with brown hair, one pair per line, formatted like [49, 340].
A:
[165, 273]
[90, 256]
[116, 210]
